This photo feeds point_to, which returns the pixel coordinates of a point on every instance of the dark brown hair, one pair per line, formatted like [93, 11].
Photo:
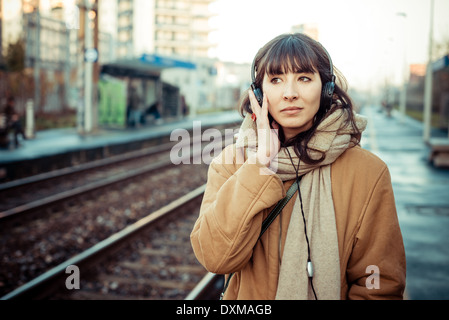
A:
[300, 53]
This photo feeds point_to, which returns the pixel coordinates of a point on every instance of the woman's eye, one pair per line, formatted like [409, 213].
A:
[304, 79]
[275, 80]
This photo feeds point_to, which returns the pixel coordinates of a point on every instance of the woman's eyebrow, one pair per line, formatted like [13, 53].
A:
[296, 71]
[305, 71]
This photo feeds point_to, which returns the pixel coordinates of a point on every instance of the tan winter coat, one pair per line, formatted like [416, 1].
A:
[238, 198]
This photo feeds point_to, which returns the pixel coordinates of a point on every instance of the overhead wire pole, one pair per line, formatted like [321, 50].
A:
[37, 54]
[80, 64]
[428, 82]
[88, 70]
[1, 40]
[403, 96]
[96, 66]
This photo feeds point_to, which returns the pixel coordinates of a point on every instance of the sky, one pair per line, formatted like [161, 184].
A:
[368, 40]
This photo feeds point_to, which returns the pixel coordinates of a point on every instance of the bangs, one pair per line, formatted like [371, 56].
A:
[290, 55]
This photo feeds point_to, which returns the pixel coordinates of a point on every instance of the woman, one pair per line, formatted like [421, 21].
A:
[339, 238]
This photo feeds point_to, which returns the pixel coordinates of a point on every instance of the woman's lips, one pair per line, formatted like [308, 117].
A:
[291, 110]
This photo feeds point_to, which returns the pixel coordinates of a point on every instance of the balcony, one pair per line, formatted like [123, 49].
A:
[171, 43]
[172, 12]
[172, 27]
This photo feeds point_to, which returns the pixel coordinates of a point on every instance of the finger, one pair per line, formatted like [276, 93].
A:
[265, 105]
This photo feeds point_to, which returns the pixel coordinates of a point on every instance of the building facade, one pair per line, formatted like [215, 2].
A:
[165, 27]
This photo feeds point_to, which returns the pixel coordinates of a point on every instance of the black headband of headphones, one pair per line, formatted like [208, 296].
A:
[253, 66]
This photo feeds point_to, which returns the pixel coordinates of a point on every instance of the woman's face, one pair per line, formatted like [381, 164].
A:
[293, 100]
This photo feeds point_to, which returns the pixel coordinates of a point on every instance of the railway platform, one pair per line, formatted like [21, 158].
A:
[421, 193]
[59, 148]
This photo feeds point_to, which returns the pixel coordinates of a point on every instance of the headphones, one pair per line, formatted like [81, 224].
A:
[257, 92]
[326, 93]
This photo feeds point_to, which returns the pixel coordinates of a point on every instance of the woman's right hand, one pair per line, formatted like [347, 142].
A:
[268, 143]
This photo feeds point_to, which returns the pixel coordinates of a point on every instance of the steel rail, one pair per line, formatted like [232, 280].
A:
[42, 286]
[149, 151]
[85, 166]
[63, 196]
[210, 283]
[41, 203]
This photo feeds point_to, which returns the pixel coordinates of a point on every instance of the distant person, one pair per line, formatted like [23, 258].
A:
[13, 120]
[388, 107]
[154, 111]
[184, 107]
[133, 111]
[339, 236]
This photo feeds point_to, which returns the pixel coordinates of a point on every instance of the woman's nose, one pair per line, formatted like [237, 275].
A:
[291, 92]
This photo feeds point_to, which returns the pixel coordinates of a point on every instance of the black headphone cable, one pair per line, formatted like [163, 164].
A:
[309, 261]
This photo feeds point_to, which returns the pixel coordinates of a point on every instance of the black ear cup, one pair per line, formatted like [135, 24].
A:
[327, 93]
[258, 93]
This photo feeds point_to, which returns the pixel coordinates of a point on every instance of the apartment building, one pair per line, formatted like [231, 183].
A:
[165, 27]
[182, 27]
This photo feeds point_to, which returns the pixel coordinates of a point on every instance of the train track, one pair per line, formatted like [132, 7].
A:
[67, 242]
[150, 259]
[27, 195]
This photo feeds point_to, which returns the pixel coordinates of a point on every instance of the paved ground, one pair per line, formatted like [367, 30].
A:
[422, 199]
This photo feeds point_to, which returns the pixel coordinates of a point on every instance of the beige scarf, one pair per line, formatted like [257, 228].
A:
[333, 138]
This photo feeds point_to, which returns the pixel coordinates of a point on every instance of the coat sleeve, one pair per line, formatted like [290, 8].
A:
[231, 212]
[377, 266]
